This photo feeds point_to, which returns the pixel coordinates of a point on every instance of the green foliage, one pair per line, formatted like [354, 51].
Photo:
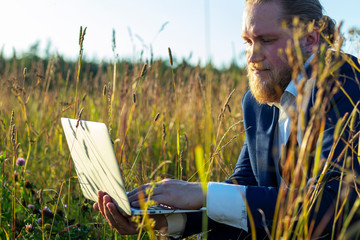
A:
[154, 137]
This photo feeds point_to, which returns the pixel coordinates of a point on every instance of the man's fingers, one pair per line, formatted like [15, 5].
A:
[158, 189]
[158, 198]
[96, 206]
[101, 202]
[119, 218]
[110, 218]
[109, 215]
[158, 194]
[141, 192]
[135, 204]
[122, 224]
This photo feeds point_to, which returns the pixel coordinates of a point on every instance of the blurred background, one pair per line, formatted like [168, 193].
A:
[196, 31]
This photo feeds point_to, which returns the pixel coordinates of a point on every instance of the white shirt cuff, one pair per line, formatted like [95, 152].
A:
[225, 204]
[176, 224]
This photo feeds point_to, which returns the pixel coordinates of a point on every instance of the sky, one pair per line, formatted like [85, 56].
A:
[195, 30]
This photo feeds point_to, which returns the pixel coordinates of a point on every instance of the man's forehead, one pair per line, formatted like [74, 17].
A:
[262, 19]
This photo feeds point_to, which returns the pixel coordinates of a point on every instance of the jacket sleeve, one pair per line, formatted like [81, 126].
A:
[243, 174]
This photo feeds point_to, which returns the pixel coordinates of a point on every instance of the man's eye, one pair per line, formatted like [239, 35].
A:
[267, 41]
[247, 42]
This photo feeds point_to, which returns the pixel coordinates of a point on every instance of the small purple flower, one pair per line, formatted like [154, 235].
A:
[39, 220]
[46, 209]
[47, 212]
[20, 162]
[30, 206]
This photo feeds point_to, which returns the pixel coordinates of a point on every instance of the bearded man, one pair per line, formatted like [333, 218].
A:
[298, 93]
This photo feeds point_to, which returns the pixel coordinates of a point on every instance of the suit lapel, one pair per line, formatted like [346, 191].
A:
[267, 122]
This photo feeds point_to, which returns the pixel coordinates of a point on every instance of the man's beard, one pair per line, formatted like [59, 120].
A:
[270, 88]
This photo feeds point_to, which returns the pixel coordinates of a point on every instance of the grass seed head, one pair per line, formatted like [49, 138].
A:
[39, 196]
[80, 33]
[13, 134]
[143, 71]
[104, 90]
[109, 91]
[170, 57]
[80, 113]
[81, 39]
[113, 41]
[156, 117]
[228, 106]
[353, 121]
[2, 123]
[163, 131]
[186, 140]
[12, 118]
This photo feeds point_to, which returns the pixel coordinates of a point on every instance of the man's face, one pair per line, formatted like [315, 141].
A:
[269, 73]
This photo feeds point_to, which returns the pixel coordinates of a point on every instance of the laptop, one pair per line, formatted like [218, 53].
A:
[96, 166]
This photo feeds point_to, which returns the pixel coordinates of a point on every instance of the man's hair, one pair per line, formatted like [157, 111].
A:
[307, 11]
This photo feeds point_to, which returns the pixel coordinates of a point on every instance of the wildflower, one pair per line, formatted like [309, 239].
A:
[47, 212]
[39, 220]
[28, 227]
[20, 162]
[30, 206]
[46, 209]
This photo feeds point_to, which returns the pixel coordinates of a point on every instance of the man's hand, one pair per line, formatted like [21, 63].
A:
[121, 221]
[173, 193]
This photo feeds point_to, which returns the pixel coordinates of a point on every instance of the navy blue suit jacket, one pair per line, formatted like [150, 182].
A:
[256, 168]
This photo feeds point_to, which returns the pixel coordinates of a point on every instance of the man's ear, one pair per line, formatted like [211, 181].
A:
[310, 41]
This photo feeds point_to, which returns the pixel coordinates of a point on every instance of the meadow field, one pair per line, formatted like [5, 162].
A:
[159, 112]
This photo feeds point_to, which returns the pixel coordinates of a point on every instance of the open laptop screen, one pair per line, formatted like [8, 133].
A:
[95, 161]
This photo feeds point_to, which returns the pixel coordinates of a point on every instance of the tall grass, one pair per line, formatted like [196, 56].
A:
[147, 150]
[167, 121]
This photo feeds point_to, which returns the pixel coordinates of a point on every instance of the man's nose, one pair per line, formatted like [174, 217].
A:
[255, 53]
